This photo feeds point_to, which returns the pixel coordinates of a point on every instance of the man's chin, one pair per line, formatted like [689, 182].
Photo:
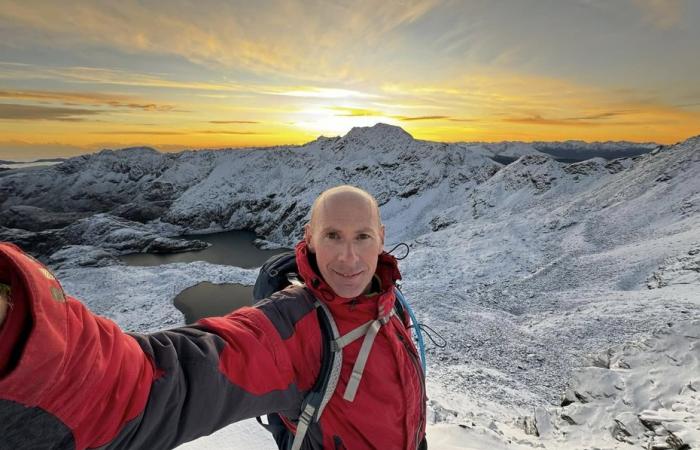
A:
[347, 291]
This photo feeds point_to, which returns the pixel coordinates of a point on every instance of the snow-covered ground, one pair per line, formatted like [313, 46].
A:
[569, 294]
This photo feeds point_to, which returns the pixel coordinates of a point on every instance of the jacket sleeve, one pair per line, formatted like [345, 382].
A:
[71, 379]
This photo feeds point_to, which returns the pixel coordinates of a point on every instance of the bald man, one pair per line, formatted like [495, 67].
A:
[69, 379]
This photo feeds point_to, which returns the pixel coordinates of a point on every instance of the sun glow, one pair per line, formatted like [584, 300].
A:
[337, 120]
[239, 74]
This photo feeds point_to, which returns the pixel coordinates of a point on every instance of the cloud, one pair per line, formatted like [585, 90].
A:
[86, 98]
[98, 75]
[410, 119]
[663, 14]
[231, 122]
[229, 132]
[11, 111]
[573, 122]
[356, 112]
[145, 132]
[269, 39]
[170, 133]
[328, 93]
[454, 119]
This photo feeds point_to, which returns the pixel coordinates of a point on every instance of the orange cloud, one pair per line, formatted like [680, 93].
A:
[10, 111]
[410, 119]
[228, 122]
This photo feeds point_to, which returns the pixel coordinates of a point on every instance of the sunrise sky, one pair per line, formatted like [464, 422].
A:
[78, 76]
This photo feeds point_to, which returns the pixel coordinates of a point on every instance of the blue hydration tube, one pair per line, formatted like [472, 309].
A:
[416, 328]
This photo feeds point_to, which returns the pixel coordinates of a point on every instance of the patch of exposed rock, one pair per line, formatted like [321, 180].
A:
[124, 236]
[618, 394]
[82, 256]
[32, 218]
[38, 243]
[684, 269]
[115, 235]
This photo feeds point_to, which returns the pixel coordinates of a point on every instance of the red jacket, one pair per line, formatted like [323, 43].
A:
[70, 379]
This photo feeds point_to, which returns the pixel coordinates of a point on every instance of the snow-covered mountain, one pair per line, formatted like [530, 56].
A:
[579, 150]
[531, 270]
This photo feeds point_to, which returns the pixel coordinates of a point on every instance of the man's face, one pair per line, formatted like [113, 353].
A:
[346, 237]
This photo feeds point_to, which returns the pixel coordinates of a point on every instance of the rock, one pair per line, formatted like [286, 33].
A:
[543, 422]
[33, 218]
[266, 245]
[571, 396]
[528, 424]
[682, 269]
[627, 427]
[38, 244]
[141, 212]
[620, 433]
[168, 245]
[124, 236]
[82, 256]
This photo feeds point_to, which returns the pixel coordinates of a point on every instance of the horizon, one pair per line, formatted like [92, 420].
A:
[267, 147]
[80, 77]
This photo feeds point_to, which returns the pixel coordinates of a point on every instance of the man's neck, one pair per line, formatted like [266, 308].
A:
[374, 287]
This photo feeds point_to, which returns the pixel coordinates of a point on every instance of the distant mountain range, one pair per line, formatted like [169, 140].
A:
[32, 162]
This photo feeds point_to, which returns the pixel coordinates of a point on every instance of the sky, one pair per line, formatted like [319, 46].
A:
[79, 76]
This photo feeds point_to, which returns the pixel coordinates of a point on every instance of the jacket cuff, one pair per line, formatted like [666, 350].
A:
[13, 332]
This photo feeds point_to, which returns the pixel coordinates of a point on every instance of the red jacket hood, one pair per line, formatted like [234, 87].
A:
[372, 305]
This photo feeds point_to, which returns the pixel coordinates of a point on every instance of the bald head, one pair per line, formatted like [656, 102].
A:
[347, 236]
[339, 197]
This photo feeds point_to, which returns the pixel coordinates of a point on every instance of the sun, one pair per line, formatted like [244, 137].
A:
[335, 120]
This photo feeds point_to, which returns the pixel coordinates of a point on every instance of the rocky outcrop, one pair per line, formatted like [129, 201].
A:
[622, 396]
[74, 256]
[32, 218]
[684, 269]
[114, 235]
[124, 236]
[38, 243]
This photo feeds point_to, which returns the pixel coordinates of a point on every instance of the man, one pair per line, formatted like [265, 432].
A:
[69, 379]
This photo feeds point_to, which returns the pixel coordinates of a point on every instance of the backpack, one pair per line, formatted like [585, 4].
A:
[279, 272]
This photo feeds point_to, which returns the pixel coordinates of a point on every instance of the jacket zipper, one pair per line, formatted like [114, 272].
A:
[419, 370]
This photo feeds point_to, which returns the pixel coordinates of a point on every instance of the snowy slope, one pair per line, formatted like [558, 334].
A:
[531, 271]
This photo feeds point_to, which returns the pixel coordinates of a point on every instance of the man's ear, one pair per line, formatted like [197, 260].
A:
[307, 236]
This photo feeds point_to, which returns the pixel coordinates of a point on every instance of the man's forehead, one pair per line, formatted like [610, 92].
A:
[346, 207]
[345, 201]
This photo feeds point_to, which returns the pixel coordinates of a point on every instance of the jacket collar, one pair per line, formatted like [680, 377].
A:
[377, 305]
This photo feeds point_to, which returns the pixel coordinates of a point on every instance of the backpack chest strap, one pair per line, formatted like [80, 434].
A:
[369, 330]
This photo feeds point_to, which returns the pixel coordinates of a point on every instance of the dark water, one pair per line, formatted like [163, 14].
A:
[234, 248]
[208, 300]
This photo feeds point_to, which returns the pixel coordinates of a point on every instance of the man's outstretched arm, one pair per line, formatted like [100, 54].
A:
[70, 379]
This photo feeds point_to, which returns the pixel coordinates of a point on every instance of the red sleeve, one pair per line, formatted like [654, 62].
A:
[153, 391]
[58, 357]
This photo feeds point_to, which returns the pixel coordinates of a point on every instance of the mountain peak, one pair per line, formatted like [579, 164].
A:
[380, 131]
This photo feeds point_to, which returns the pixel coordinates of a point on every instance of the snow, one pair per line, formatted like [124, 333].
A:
[546, 279]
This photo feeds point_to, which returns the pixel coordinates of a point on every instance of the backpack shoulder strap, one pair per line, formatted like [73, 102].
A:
[316, 400]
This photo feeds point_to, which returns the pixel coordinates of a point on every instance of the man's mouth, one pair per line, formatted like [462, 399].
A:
[348, 276]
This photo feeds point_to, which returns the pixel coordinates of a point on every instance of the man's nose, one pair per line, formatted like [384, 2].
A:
[348, 252]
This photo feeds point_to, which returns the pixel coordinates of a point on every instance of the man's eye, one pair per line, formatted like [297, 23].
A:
[364, 236]
[332, 235]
